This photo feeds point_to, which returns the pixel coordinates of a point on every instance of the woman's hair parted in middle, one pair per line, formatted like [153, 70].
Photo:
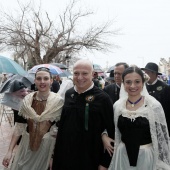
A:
[133, 70]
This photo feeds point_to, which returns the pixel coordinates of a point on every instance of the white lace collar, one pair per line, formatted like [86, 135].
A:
[140, 112]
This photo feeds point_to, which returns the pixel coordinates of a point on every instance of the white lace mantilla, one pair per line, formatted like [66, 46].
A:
[153, 111]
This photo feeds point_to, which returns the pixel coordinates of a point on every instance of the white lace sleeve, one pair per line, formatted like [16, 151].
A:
[159, 134]
[158, 129]
[19, 128]
[162, 137]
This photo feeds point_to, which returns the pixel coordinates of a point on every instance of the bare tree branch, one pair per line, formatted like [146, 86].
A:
[38, 42]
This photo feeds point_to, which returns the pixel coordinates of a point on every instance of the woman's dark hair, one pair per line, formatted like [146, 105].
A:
[133, 70]
[43, 69]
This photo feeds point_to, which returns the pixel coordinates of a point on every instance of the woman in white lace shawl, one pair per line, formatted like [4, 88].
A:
[38, 114]
[141, 135]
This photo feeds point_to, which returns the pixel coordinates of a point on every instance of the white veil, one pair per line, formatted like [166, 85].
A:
[158, 128]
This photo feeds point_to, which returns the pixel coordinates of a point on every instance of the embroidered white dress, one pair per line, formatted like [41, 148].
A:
[25, 158]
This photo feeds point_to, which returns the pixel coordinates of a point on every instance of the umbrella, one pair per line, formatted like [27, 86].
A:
[16, 82]
[110, 69]
[53, 69]
[14, 99]
[62, 66]
[97, 68]
[65, 73]
[11, 101]
[10, 66]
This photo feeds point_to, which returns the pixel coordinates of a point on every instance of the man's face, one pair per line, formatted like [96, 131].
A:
[82, 77]
[152, 76]
[118, 74]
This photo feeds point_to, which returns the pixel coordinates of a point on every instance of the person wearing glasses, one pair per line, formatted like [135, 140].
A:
[38, 114]
[86, 113]
[113, 89]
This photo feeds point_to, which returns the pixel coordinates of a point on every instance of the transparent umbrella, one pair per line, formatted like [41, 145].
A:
[65, 73]
[16, 81]
[14, 99]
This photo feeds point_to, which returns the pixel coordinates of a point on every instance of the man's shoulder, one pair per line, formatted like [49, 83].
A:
[101, 95]
[71, 90]
[109, 87]
[161, 85]
[98, 91]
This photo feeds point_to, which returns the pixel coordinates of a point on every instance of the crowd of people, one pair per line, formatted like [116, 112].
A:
[88, 125]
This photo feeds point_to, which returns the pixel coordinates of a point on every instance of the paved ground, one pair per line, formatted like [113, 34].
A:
[5, 132]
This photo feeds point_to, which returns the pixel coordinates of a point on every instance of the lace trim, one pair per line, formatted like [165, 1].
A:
[141, 112]
[158, 129]
[19, 128]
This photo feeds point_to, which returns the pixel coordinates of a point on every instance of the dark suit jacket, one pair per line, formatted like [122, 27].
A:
[113, 91]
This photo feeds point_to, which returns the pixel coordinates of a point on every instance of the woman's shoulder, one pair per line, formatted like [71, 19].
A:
[151, 101]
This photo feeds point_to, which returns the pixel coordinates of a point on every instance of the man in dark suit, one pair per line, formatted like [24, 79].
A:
[113, 90]
[87, 111]
[158, 89]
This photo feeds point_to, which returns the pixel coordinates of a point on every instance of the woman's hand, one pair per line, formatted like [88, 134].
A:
[7, 159]
[107, 143]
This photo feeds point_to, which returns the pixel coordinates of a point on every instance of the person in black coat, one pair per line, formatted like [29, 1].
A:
[113, 90]
[158, 89]
[55, 85]
[87, 112]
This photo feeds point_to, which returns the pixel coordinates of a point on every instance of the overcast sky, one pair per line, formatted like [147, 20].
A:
[145, 28]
